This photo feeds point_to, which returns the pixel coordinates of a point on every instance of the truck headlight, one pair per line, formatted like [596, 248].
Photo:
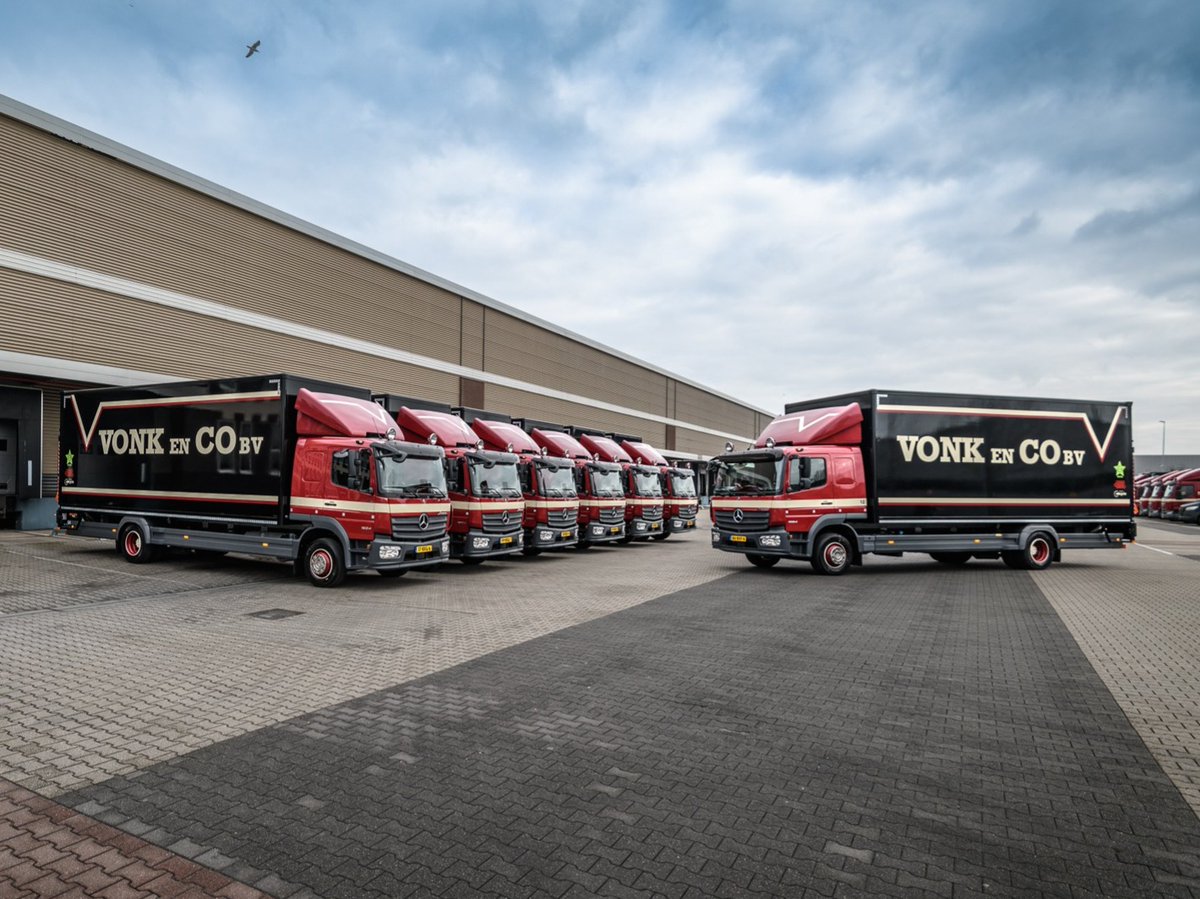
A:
[389, 552]
[545, 536]
[639, 525]
[480, 543]
[445, 547]
[769, 540]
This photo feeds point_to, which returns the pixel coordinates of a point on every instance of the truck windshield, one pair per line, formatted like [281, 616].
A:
[494, 478]
[646, 483]
[401, 475]
[743, 477]
[606, 483]
[683, 484]
[556, 481]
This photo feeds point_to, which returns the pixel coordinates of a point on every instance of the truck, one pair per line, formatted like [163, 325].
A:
[486, 502]
[597, 484]
[680, 502]
[279, 466]
[953, 475]
[643, 491]
[551, 519]
[1178, 492]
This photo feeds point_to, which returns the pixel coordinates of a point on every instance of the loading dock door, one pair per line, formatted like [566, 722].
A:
[8, 468]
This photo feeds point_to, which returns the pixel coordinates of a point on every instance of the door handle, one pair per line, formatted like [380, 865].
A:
[331, 505]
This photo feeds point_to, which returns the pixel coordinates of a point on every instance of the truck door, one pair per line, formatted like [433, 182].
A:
[849, 489]
[809, 492]
[350, 500]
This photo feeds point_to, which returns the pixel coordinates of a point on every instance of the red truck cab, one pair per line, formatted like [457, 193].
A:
[486, 503]
[643, 489]
[597, 484]
[1179, 490]
[551, 519]
[680, 503]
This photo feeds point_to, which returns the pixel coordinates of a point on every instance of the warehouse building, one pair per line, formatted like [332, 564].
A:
[117, 269]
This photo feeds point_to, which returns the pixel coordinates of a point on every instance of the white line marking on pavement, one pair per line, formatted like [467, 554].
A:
[1156, 549]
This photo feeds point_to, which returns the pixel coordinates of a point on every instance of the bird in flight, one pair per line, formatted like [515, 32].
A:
[251, 49]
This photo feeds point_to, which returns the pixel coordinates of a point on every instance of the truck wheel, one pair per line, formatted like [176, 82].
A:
[1013, 558]
[663, 536]
[531, 550]
[323, 563]
[133, 545]
[1038, 552]
[472, 560]
[951, 558]
[392, 572]
[761, 561]
[833, 555]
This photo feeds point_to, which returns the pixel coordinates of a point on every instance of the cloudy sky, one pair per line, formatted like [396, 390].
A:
[780, 200]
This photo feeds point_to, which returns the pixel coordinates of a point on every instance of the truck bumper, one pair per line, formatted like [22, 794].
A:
[545, 537]
[394, 555]
[640, 527]
[478, 545]
[774, 542]
[594, 532]
[682, 524]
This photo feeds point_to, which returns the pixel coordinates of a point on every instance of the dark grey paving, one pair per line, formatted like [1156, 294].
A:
[905, 731]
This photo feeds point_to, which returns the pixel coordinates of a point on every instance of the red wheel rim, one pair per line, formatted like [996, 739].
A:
[835, 555]
[320, 563]
[1040, 551]
[133, 544]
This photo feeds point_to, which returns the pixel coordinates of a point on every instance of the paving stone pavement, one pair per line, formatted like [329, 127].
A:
[48, 850]
[1136, 615]
[909, 730]
[93, 689]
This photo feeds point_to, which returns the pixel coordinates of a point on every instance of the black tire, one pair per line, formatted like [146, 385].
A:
[1038, 552]
[133, 545]
[762, 561]
[663, 536]
[323, 563]
[833, 555]
[472, 560]
[392, 572]
[1012, 558]
[582, 545]
[531, 550]
[951, 558]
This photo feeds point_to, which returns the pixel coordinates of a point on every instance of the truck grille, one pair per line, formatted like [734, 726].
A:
[687, 512]
[501, 522]
[561, 518]
[408, 527]
[652, 513]
[612, 515]
[756, 520]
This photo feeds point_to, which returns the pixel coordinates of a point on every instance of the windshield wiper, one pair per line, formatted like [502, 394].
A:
[425, 488]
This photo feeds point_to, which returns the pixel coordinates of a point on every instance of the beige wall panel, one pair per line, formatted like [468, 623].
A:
[688, 441]
[521, 350]
[518, 403]
[703, 408]
[472, 335]
[66, 203]
[92, 326]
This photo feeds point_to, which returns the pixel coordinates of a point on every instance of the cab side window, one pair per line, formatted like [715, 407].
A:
[352, 470]
[805, 473]
[525, 470]
[454, 478]
[1187, 491]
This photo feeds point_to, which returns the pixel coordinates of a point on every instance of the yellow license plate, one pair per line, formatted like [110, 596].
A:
[566, 535]
[504, 541]
[690, 524]
[737, 538]
[655, 526]
[427, 548]
[614, 530]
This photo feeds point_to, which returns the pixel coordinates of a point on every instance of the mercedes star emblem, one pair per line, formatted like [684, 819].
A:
[423, 521]
[738, 515]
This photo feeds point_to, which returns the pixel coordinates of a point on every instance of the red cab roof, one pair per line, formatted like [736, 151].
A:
[605, 447]
[504, 437]
[832, 426]
[559, 443]
[333, 415]
[450, 430]
[644, 453]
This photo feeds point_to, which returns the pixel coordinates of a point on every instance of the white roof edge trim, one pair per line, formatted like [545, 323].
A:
[59, 271]
[83, 372]
[76, 134]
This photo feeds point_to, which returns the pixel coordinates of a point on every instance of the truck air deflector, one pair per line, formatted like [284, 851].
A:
[832, 426]
[499, 435]
[450, 430]
[644, 453]
[606, 448]
[560, 443]
[330, 415]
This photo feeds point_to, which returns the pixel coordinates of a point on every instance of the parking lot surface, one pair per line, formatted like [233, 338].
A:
[651, 720]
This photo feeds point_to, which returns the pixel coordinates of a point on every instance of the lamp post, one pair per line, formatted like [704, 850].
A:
[1164, 440]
